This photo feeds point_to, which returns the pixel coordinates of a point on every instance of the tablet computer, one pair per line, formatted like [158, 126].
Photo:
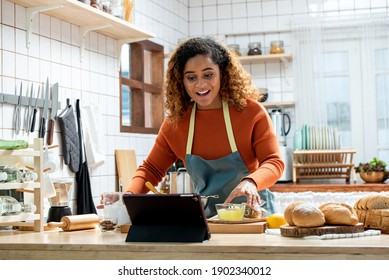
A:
[166, 218]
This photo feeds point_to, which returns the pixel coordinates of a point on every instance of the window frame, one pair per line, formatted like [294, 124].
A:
[139, 54]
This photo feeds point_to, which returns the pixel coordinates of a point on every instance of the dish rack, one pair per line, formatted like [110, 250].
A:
[323, 164]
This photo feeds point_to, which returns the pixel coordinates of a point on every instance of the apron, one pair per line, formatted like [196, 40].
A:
[220, 176]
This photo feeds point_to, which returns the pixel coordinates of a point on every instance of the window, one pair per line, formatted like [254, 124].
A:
[141, 79]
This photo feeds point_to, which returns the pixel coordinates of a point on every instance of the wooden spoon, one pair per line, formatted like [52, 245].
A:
[152, 188]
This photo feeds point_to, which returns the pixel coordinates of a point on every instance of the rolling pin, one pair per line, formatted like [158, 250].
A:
[76, 222]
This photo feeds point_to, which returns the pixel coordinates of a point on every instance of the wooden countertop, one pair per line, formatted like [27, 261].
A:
[92, 244]
[305, 185]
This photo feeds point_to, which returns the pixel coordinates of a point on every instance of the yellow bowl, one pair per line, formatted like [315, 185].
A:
[230, 211]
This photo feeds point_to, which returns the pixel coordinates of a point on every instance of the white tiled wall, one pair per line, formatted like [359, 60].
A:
[55, 51]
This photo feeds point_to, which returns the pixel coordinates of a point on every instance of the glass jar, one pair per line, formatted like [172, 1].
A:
[254, 48]
[277, 47]
[235, 49]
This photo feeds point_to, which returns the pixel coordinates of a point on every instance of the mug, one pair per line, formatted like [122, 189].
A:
[50, 161]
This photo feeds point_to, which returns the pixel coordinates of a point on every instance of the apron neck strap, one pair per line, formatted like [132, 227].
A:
[227, 121]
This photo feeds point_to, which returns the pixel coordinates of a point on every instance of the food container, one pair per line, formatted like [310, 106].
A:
[264, 94]
[277, 47]
[235, 49]
[254, 48]
[230, 211]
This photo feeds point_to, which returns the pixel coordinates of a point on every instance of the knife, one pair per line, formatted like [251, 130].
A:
[17, 113]
[27, 112]
[53, 115]
[42, 127]
[33, 113]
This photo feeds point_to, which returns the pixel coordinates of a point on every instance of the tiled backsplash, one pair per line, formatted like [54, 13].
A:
[55, 53]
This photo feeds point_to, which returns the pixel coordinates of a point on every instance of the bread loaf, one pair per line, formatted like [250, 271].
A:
[288, 212]
[372, 201]
[307, 215]
[339, 214]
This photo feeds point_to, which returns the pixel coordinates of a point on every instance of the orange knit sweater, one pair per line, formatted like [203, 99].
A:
[254, 136]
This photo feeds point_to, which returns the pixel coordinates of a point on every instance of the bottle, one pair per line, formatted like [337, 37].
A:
[16, 175]
[10, 206]
[3, 177]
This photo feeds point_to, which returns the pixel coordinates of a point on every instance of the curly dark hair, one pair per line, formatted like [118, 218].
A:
[235, 86]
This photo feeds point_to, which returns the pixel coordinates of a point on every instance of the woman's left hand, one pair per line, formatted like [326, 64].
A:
[246, 188]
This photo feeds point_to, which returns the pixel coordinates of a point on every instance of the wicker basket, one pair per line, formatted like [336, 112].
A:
[323, 164]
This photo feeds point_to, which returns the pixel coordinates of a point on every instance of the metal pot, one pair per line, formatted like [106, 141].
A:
[180, 181]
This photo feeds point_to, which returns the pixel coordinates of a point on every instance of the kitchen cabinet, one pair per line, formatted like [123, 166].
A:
[85, 16]
[36, 219]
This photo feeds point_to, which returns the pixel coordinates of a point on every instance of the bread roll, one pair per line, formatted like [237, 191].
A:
[288, 212]
[307, 215]
[339, 214]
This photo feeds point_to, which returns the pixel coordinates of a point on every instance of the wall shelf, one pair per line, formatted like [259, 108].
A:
[286, 104]
[85, 16]
[283, 57]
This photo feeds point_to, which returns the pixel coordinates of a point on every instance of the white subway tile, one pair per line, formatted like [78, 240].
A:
[209, 13]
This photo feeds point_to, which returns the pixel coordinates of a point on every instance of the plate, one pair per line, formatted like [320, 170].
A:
[216, 220]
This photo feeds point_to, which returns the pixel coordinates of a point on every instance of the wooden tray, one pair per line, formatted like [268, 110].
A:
[244, 221]
[293, 231]
[248, 228]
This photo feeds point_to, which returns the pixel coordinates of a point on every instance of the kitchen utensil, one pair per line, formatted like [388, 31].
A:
[152, 188]
[56, 213]
[17, 120]
[237, 228]
[180, 181]
[230, 211]
[42, 127]
[279, 123]
[27, 112]
[76, 222]
[53, 115]
[34, 110]
[204, 199]
[293, 231]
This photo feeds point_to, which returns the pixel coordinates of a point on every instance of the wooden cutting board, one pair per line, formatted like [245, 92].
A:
[293, 231]
[257, 227]
[126, 166]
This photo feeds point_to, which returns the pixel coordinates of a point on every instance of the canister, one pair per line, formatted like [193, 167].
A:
[277, 47]
[254, 48]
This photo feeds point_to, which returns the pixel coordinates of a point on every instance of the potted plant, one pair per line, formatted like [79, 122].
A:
[373, 171]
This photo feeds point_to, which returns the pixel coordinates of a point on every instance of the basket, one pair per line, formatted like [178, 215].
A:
[323, 164]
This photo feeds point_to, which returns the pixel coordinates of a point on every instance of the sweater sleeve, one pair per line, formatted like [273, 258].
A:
[154, 167]
[266, 149]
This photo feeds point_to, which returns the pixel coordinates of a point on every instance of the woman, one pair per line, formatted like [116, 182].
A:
[216, 127]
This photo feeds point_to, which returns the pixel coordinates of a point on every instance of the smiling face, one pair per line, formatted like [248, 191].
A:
[202, 82]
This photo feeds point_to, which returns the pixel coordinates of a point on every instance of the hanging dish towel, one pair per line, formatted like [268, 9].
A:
[93, 136]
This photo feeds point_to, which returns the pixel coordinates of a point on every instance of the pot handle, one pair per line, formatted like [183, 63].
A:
[283, 120]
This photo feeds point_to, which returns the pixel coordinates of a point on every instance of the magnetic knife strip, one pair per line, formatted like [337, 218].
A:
[12, 99]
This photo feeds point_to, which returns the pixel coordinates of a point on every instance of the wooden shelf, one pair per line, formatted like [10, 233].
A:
[78, 13]
[283, 57]
[286, 104]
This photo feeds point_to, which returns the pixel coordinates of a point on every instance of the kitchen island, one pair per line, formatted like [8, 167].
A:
[95, 245]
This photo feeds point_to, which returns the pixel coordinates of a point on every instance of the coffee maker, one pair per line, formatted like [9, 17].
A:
[282, 124]
[59, 202]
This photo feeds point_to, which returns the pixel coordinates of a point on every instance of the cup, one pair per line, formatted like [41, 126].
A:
[108, 223]
[114, 208]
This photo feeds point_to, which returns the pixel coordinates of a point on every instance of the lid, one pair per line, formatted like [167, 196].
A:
[254, 45]
[279, 43]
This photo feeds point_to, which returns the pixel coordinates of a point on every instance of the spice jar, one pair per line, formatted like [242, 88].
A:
[235, 49]
[277, 47]
[254, 48]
